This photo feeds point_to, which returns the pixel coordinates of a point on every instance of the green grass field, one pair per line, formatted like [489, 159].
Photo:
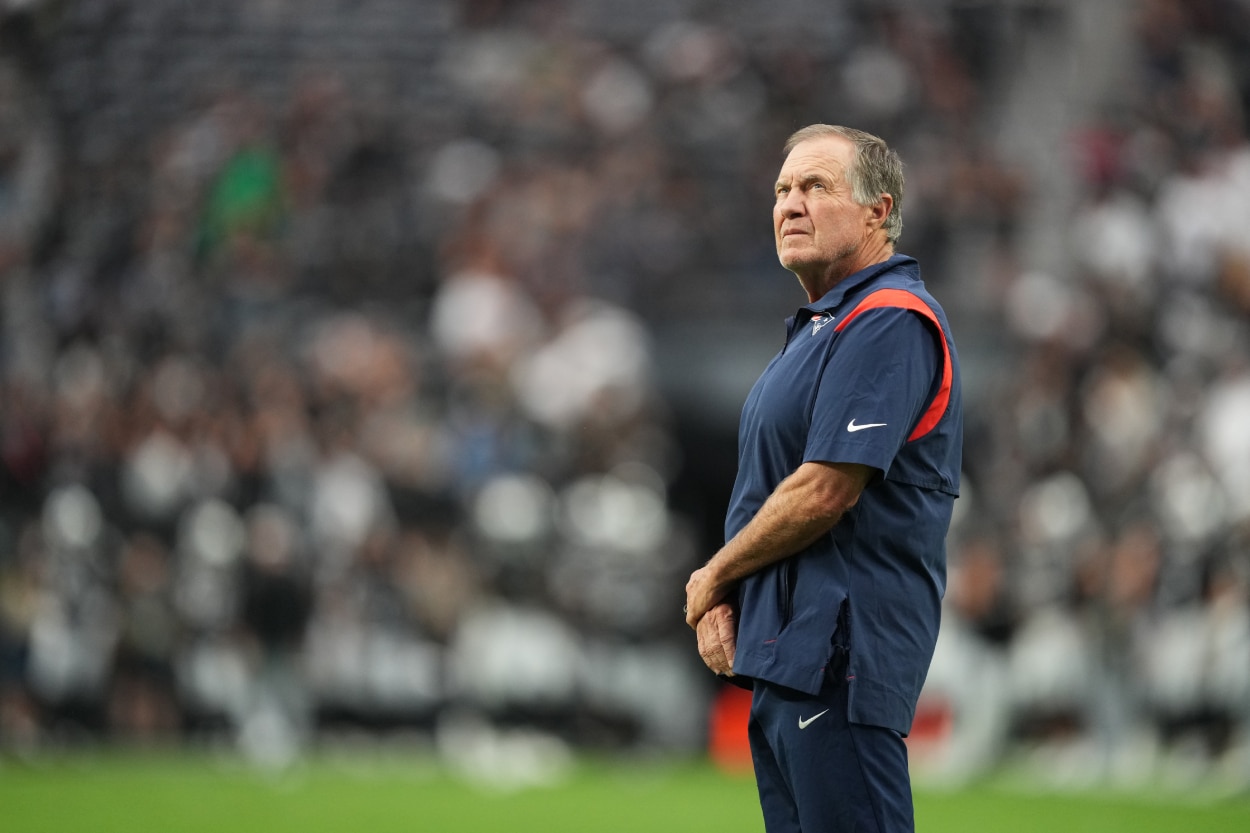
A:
[130, 793]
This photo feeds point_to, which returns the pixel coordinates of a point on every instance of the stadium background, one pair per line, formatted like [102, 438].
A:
[370, 370]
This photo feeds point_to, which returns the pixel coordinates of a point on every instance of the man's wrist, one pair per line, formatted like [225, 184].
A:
[714, 569]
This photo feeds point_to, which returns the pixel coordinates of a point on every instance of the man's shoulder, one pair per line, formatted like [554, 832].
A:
[900, 271]
[891, 286]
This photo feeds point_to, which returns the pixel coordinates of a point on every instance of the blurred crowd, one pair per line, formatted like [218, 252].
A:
[330, 400]
[1100, 597]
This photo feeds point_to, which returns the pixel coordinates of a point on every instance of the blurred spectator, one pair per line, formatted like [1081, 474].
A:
[143, 698]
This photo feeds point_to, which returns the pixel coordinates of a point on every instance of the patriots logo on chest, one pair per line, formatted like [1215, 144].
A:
[819, 320]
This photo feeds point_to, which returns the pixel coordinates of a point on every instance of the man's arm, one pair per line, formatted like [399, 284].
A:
[803, 507]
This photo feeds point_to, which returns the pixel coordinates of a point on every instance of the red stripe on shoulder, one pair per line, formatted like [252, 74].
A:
[901, 298]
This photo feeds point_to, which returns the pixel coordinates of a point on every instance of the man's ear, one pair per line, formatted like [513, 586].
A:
[882, 209]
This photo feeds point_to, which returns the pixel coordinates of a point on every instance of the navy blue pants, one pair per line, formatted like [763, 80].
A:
[819, 773]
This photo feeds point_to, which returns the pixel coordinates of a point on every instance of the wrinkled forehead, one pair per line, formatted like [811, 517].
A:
[828, 155]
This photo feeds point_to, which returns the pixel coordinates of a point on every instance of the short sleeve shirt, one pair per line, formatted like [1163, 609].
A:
[868, 374]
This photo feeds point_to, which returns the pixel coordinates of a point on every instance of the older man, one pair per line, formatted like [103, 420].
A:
[826, 598]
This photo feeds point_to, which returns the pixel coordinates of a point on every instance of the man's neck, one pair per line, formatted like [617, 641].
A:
[818, 286]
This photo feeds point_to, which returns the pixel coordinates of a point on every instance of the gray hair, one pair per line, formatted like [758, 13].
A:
[875, 170]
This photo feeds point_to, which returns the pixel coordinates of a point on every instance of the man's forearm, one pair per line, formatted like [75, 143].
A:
[803, 507]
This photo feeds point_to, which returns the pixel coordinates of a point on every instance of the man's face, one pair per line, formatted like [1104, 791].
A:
[818, 226]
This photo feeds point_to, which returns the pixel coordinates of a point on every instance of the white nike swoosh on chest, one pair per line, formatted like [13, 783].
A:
[852, 427]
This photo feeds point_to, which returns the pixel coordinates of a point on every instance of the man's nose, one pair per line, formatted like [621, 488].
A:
[791, 204]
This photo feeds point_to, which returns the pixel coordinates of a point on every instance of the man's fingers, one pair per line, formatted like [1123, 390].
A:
[711, 650]
[727, 630]
[714, 660]
[718, 637]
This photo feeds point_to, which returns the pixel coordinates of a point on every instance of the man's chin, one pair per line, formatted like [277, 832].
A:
[805, 269]
[794, 261]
